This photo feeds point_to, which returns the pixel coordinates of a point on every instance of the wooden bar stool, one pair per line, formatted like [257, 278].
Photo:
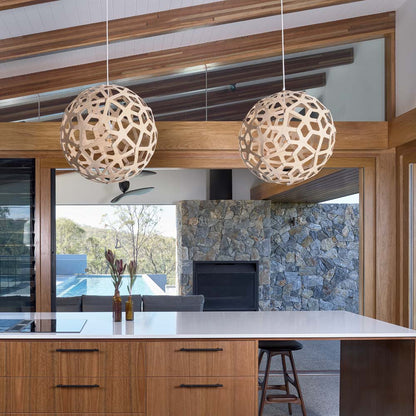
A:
[284, 349]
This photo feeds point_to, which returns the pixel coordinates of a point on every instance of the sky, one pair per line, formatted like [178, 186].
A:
[91, 215]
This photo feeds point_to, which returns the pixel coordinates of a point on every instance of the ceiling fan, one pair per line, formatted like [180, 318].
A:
[125, 185]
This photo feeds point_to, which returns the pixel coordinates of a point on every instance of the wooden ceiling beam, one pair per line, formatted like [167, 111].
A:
[153, 24]
[402, 129]
[272, 190]
[14, 4]
[187, 83]
[328, 184]
[195, 136]
[228, 96]
[218, 53]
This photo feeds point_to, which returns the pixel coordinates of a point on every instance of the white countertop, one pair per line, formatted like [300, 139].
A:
[249, 325]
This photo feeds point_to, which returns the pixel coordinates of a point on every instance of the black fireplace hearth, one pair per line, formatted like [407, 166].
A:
[227, 285]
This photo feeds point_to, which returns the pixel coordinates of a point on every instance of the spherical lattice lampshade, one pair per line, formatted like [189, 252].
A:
[108, 134]
[287, 137]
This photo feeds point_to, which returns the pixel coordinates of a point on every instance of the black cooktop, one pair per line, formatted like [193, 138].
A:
[42, 325]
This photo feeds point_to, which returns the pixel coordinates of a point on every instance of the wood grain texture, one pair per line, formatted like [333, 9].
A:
[36, 359]
[390, 76]
[44, 275]
[153, 24]
[3, 393]
[386, 237]
[14, 4]
[219, 52]
[237, 396]
[377, 378]
[40, 394]
[336, 184]
[271, 190]
[405, 155]
[183, 135]
[236, 358]
[402, 129]
[3, 360]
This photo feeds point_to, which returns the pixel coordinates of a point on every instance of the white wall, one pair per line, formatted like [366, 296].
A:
[406, 57]
[356, 92]
[171, 185]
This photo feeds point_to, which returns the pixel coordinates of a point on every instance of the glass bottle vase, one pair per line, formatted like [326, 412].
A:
[117, 307]
[129, 310]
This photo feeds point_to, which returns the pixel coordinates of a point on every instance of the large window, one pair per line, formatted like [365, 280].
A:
[17, 275]
[144, 233]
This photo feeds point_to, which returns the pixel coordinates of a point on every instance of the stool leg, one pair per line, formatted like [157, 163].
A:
[295, 376]
[286, 380]
[265, 382]
[261, 353]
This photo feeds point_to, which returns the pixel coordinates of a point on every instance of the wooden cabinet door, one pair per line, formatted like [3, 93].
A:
[201, 358]
[100, 359]
[201, 396]
[86, 395]
[30, 359]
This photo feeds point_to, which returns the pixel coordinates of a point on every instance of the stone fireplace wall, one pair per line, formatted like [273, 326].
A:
[222, 230]
[307, 253]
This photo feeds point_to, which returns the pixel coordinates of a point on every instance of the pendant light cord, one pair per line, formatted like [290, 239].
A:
[106, 41]
[283, 46]
[206, 92]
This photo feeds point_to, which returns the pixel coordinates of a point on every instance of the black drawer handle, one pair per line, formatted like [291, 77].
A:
[77, 350]
[201, 386]
[201, 349]
[77, 386]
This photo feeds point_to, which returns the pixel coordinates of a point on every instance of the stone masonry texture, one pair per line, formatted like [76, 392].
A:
[308, 253]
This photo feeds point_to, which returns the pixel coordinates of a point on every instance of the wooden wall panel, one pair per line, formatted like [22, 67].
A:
[405, 155]
[402, 129]
[215, 145]
[390, 76]
[43, 238]
[43, 137]
[386, 237]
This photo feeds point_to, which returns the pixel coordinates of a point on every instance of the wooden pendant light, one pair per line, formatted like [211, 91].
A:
[108, 134]
[287, 137]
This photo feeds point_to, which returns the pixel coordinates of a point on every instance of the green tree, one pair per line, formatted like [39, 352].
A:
[69, 237]
[159, 256]
[95, 256]
[132, 226]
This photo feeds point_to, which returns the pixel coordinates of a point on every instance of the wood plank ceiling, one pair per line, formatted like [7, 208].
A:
[238, 70]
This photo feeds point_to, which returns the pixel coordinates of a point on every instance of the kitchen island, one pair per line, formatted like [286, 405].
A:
[196, 364]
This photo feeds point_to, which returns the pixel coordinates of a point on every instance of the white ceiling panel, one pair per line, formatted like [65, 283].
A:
[189, 37]
[68, 13]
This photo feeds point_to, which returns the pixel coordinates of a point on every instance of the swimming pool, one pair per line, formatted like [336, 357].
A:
[67, 286]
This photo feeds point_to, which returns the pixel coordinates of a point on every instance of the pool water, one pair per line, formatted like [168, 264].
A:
[67, 286]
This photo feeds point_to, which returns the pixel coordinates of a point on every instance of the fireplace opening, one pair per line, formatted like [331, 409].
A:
[227, 285]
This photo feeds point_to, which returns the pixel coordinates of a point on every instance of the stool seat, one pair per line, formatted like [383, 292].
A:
[277, 346]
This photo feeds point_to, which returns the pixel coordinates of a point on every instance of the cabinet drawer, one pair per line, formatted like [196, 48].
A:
[86, 395]
[74, 359]
[201, 396]
[25, 359]
[201, 358]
